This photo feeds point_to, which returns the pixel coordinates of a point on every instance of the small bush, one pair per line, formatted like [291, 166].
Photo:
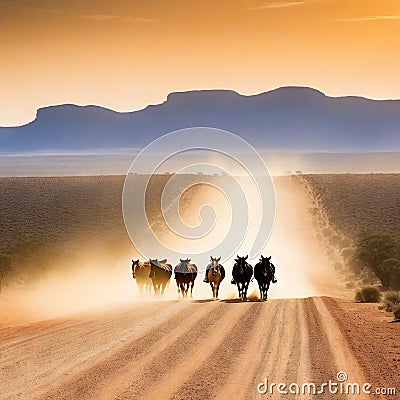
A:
[393, 297]
[359, 296]
[368, 294]
[396, 312]
[391, 300]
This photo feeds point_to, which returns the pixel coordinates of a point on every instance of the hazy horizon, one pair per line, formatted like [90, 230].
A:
[114, 163]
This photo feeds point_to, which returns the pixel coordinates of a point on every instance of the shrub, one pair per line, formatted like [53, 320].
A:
[393, 297]
[390, 264]
[368, 294]
[391, 300]
[373, 250]
[390, 269]
[396, 312]
[395, 280]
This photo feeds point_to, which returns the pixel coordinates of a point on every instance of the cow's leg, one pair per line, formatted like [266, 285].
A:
[246, 286]
[183, 289]
[178, 285]
[241, 291]
[212, 284]
[187, 289]
[266, 290]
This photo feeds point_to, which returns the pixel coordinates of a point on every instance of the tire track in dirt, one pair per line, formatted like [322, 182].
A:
[302, 333]
[248, 372]
[99, 379]
[200, 356]
[281, 352]
[360, 369]
[195, 350]
[294, 339]
[184, 356]
[215, 372]
[322, 360]
[18, 336]
[344, 358]
[329, 343]
[32, 366]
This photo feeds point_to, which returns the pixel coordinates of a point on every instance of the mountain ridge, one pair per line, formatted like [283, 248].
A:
[287, 118]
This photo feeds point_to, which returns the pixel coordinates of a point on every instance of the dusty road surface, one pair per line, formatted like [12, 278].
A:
[191, 350]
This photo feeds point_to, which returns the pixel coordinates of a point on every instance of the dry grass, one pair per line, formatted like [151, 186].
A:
[356, 205]
[61, 218]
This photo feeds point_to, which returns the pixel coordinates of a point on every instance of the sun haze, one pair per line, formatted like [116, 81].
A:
[125, 55]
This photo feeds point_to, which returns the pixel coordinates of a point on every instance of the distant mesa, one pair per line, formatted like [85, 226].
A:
[284, 119]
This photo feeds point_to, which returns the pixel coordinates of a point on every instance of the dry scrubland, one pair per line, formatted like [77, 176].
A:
[360, 204]
[43, 219]
[359, 218]
[70, 219]
[65, 217]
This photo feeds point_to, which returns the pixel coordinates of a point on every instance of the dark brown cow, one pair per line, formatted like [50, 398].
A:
[160, 274]
[141, 272]
[185, 275]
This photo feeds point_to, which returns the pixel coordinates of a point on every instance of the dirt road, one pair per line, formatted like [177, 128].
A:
[179, 350]
[201, 349]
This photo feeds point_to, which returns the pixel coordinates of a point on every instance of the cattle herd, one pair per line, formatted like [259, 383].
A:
[156, 274]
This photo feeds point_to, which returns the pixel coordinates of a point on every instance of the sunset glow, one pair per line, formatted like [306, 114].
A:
[125, 55]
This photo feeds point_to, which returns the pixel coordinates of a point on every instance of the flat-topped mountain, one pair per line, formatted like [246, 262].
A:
[288, 118]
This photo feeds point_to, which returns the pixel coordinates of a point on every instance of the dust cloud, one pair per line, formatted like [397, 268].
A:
[302, 266]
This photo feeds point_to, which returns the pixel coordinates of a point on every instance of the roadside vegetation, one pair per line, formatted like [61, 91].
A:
[60, 223]
[368, 294]
[359, 220]
[54, 223]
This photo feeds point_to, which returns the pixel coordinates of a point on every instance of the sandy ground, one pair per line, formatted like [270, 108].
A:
[201, 349]
[196, 349]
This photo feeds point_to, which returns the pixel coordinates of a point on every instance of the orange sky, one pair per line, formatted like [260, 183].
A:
[127, 54]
